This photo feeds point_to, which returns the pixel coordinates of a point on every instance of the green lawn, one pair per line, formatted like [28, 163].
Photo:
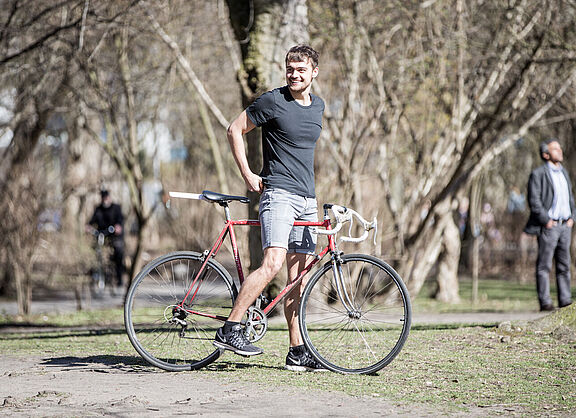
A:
[482, 369]
[449, 369]
[493, 296]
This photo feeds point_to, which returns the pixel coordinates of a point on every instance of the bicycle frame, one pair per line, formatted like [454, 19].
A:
[228, 230]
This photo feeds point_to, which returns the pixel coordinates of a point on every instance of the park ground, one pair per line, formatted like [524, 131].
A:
[500, 357]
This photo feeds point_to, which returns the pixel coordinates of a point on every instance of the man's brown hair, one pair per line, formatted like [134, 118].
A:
[302, 53]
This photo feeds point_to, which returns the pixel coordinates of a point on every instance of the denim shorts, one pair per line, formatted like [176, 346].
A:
[278, 211]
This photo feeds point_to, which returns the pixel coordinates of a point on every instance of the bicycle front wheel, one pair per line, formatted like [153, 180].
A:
[361, 327]
[172, 333]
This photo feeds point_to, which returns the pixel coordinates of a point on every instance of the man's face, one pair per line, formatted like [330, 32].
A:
[106, 201]
[299, 75]
[554, 153]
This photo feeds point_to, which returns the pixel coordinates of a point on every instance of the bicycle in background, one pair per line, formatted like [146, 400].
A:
[354, 316]
[102, 274]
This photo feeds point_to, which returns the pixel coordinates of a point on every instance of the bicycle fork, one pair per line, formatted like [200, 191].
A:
[341, 291]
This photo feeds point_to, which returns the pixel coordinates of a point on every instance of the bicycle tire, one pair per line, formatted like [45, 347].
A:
[103, 276]
[152, 301]
[98, 278]
[367, 339]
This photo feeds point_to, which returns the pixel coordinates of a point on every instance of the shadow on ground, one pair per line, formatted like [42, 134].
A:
[123, 363]
[136, 364]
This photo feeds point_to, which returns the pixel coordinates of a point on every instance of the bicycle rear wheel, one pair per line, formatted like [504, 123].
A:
[171, 335]
[369, 335]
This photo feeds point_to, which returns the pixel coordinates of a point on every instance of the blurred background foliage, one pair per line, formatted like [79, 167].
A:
[434, 114]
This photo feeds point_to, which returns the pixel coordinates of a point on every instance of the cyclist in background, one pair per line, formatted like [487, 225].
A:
[110, 214]
[291, 122]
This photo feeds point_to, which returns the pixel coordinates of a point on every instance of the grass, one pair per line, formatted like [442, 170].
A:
[101, 318]
[493, 296]
[479, 370]
[454, 370]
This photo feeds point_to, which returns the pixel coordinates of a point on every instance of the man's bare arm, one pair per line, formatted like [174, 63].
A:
[240, 126]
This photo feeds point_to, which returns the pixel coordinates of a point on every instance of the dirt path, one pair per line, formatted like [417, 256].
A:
[52, 385]
[71, 386]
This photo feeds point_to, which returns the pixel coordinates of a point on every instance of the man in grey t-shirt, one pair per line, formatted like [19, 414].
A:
[291, 121]
[289, 134]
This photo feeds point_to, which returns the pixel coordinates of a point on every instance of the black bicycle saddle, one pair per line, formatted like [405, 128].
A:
[223, 198]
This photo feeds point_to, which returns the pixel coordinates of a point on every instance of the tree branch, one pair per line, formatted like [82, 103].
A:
[185, 66]
[39, 42]
[511, 139]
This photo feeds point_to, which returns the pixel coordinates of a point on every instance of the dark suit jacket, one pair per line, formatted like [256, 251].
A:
[541, 197]
[105, 217]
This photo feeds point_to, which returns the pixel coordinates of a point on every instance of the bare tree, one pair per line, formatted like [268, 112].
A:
[435, 108]
[496, 111]
[33, 72]
[113, 90]
[422, 99]
[201, 98]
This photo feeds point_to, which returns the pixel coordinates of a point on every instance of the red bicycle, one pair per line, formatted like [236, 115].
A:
[354, 314]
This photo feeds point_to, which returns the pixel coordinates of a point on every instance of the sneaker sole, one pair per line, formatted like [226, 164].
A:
[303, 369]
[225, 346]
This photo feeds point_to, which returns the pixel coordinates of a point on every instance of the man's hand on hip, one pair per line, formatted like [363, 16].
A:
[254, 183]
[550, 224]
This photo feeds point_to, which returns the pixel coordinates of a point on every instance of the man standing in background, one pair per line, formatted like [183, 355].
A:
[552, 213]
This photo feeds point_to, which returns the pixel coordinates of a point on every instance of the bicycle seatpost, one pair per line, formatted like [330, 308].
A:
[226, 211]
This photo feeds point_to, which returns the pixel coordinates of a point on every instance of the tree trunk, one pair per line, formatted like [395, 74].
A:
[447, 278]
[419, 260]
[423, 254]
[474, 213]
[135, 262]
[20, 203]
[265, 30]
[21, 290]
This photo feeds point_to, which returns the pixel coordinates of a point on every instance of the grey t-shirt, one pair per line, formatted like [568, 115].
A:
[289, 135]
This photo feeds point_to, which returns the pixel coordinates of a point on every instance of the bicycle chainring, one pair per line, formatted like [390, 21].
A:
[256, 324]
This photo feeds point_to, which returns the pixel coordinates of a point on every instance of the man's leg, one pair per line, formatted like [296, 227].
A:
[298, 358]
[295, 263]
[547, 241]
[118, 260]
[256, 281]
[231, 336]
[562, 256]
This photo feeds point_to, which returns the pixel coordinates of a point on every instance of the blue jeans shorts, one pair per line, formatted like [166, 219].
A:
[278, 211]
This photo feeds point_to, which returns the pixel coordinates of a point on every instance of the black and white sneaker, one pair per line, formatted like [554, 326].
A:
[236, 341]
[300, 360]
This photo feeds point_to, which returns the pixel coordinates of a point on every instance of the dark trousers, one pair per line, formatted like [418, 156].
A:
[554, 244]
[117, 257]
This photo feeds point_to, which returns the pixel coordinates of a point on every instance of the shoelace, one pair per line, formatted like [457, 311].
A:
[310, 361]
[307, 360]
[238, 339]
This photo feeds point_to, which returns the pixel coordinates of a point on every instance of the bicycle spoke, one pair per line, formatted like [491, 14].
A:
[367, 345]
